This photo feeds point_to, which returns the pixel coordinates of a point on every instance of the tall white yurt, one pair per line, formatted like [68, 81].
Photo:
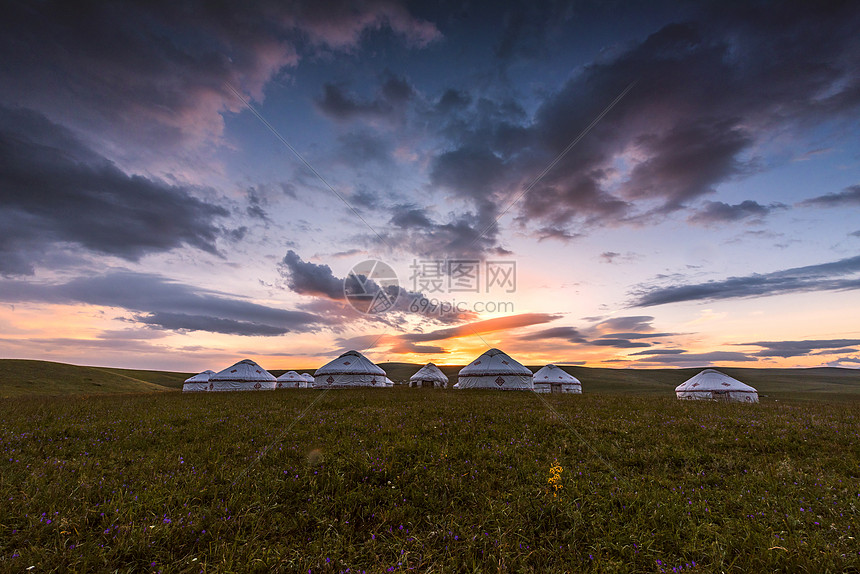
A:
[552, 379]
[197, 383]
[350, 370]
[245, 375]
[428, 376]
[495, 370]
[291, 380]
[711, 384]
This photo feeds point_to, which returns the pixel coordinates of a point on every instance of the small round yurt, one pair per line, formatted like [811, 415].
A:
[553, 379]
[245, 375]
[429, 376]
[197, 383]
[713, 385]
[291, 380]
[495, 370]
[350, 370]
[389, 382]
[309, 379]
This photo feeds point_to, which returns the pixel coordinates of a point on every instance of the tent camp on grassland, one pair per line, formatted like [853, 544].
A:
[713, 385]
[429, 376]
[553, 379]
[495, 370]
[291, 380]
[246, 375]
[350, 370]
[197, 383]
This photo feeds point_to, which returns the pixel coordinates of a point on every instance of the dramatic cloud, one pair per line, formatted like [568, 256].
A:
[567, 333]
[306, 278]
[160, 302]
[716, 212]
[684, 359]
[706, 90]
[480, 327]
[392, 96]
[160, 72]
[849, 197]
[823, 277]
[787, 349]
[53, 189]
[618, 343]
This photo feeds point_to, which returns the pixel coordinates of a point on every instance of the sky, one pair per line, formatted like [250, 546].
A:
[187, 184]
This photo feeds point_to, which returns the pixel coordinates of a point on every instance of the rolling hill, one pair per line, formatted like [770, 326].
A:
[43, 378]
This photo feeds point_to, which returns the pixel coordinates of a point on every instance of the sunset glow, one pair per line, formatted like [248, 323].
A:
[670, 186]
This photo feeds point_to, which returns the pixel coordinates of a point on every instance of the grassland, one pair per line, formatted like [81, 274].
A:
[19, 378]
[429, 481]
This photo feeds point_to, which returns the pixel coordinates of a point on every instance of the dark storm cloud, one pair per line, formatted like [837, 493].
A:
[158, 70]
[53, 189]
[849, 197]
[339, 104]
[160, 302]
[787, 349]
[823, 277]
[716, 212]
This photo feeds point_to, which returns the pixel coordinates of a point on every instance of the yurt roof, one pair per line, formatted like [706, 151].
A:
[493, 362]
[350, 363]
[308, 377]
[291, 376]
[200, 377]
[429, 372]
[554, 374]
[713, 380]
[245, 370]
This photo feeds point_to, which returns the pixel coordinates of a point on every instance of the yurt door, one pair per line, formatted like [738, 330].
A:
[556, 387]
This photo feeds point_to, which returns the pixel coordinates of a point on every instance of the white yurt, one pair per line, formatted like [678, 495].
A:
[309, 379]
[291, 380]
[350, 370]
[429, 376]
[197, 383]
[495, 370]
[245, 375]
[714, 385]
[553, 379]
[389, 382]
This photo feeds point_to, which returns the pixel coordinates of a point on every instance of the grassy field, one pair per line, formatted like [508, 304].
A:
[20, 378]
[404, 480]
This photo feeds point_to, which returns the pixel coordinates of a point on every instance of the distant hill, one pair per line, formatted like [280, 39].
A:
[44, 378]
[20, 377]
[793, 383]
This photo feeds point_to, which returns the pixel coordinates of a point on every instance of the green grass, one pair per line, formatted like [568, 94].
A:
[428, 481]
[20, 377]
